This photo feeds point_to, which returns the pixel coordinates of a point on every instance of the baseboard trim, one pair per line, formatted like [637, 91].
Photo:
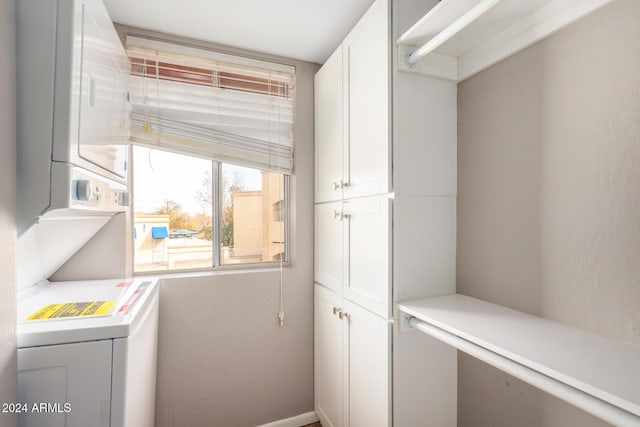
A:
[297, 421]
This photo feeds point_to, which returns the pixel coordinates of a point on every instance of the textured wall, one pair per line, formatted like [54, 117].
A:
[8, 369]
[222, 359]
[549, 199]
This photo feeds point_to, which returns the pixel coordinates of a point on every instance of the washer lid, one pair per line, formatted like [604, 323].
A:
[63, 312]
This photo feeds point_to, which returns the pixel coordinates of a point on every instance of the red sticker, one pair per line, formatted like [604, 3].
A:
[123, 284]
[123, 308]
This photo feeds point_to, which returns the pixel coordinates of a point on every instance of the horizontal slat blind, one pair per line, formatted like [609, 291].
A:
[212, 105]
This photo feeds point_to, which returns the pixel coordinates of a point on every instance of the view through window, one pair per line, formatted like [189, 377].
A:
[192, 213]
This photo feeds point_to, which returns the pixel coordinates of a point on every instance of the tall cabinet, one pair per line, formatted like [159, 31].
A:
[385, 187]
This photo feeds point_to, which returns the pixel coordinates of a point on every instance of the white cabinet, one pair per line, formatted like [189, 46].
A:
[352, 363]
[328, 246]
[369, 367]
[352, 250]
[328, 151]
[330, 364]
[352, 113]
[366, 72]
[385, 184]
[367, 258]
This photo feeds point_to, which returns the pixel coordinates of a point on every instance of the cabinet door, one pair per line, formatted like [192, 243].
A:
[328, 253]
[328, 129]
[367, 230]
[329, 358]
[367, 85]
[369, 368]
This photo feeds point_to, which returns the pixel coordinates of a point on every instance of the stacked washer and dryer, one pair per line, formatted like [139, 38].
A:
[86, 349]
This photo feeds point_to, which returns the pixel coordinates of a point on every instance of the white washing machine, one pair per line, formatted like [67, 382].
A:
[87, 353]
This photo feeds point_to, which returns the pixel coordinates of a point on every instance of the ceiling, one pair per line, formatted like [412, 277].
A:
[309, 30]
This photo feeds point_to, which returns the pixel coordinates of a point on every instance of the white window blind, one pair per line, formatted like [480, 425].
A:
[212, 105]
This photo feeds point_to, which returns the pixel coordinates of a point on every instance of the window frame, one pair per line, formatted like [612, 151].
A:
[216, 224]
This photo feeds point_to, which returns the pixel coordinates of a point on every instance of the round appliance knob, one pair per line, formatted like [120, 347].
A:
[83, 190]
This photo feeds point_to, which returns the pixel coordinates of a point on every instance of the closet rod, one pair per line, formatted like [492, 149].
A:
[452, 29]
[597, 407]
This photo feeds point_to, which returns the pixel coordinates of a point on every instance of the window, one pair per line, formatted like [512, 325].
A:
[213, 148]
[179, 222]
[173, 211]
[249, 230]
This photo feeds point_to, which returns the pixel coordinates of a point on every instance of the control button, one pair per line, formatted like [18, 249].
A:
[82, 190]
[123, 198]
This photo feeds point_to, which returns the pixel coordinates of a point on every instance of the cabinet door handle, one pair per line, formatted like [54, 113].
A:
[339, 185]
[340, 215]
[343, 315]
[337, 311]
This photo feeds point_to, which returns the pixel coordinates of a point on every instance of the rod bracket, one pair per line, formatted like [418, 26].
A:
[407, 59]
[405, 322]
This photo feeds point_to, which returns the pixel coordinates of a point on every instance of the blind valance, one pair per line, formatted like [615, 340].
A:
[212, 105]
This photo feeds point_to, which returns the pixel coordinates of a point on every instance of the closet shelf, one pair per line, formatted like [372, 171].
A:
[597, 374]
[459, 38]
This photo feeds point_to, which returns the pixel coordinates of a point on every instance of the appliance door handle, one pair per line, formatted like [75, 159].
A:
[92, 92]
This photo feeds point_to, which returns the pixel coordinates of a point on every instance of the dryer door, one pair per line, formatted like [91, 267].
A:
[103, 125]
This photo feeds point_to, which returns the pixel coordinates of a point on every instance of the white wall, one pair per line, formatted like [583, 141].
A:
[549, 199]
[8, 369]
[102, 257]
[222, 359]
